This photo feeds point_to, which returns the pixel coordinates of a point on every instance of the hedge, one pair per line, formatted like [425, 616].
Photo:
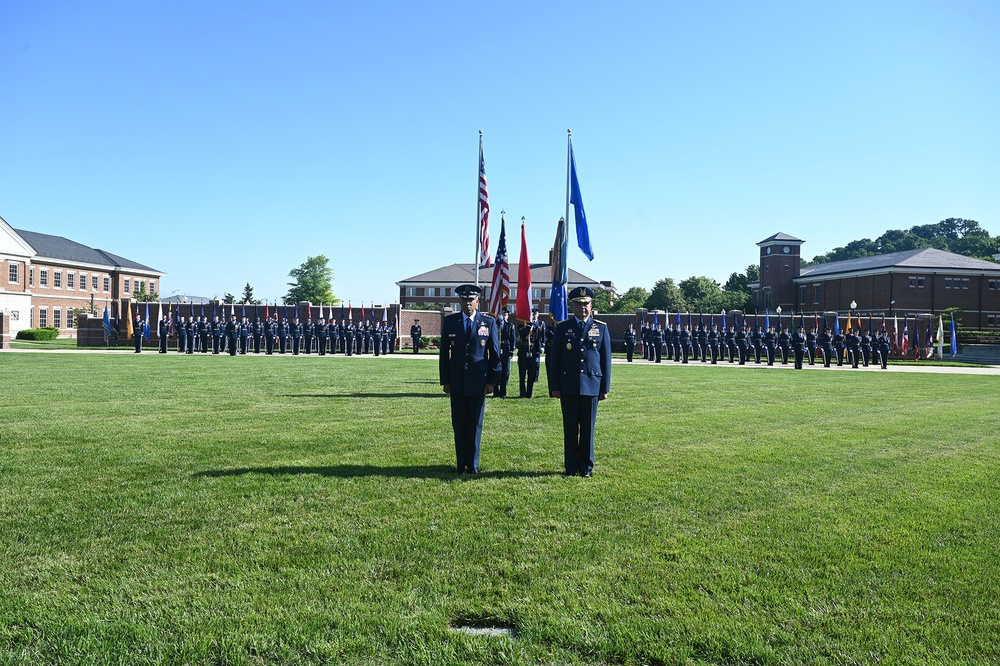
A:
[47, 333]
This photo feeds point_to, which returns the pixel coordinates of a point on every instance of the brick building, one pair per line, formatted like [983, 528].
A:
[920, 281]
[45, 280]
[437, 287]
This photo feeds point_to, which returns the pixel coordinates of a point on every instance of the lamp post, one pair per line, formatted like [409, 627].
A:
[778, 310]
[92, 292]
[854, 306]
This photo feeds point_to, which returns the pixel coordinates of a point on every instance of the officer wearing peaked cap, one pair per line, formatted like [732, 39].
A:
[581, 372]
[469, 367]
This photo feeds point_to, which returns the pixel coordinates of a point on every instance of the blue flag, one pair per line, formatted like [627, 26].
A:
[954, 337]
[582, 232]
[767, 321]
[558, 307]
[145, 324]
[106, 322]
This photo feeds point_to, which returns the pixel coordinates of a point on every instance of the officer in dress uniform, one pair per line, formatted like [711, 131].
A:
[703, 343]
[258, 334]
[853, 342]
[415, 334]
[349, 332]
[811, 345]
[866, 347]
[527, 356]
[508, 343]
[839, 346]
[137, 333]
[334, 330]
[743, 343]
[826, 346]
[216, 328]
[757, 341]
[581, 371]
[192, 334]
[770, 343]
[629, 341]
[539, 337]
[162, 332]
[656, 344]
[732, 351]
[244, 335]
[685, 339]
[322, 333]
[469, 367]
[799, 346]
[713, 343]
[884, 346]
[296, 332]
[270, 333]
[203, 331]
[784, 344]
[308, 330]
[233, 335]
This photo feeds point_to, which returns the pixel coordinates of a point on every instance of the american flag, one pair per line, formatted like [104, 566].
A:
[484, 211]
[500, 289]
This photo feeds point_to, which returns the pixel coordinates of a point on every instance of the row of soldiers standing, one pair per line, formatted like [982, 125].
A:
[274, 334]
[682, 343]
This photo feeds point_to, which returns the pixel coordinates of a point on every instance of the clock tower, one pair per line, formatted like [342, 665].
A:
[780, 263]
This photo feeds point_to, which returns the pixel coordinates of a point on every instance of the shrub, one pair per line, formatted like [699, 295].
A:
[47, 333]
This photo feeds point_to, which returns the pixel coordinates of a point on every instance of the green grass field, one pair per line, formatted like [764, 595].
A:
[263, 510]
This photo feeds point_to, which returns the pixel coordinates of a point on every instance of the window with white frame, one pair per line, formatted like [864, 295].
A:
[93, 282]
[965, 283]
[70, 318]
[83, 282]
[411, 291]
[57, 317]
[31, 277]
[107, 284]
[815, 294]
[536, 293]
[13, 275]
[71, 280]
[43, 280]
[127, 286]
[43, 317]
[57, 280]
[947, 283]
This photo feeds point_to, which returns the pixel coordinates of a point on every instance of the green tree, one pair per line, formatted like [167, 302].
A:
[737, 290]
[312, 283]
[228, 298]
[633, 299]
[666, 295]
[248, 296]
[141, 296]
[604, 300]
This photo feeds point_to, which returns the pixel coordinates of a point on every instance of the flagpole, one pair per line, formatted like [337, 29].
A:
[479, 207]
[569, 167]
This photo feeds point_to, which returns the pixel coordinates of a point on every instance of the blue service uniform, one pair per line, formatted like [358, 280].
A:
[581, 360]
[162, 331]
[468, 361]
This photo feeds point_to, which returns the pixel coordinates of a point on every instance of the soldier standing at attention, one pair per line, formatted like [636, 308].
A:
[826, 346]
[137, 333]
[798, 347]
[233, 335]
[525, 362]
[630, 341]
[508, 339]
[469, 367]
[770, 342]
[581, 369]
[162, 331]
[415, 333]
[811, 345]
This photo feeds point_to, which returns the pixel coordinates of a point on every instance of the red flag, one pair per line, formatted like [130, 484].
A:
[500, 288]
[484, 211]
[362, 310]
[523, 307]
[350, 312]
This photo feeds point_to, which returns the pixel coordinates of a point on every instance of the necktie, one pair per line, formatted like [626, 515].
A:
[468, 328]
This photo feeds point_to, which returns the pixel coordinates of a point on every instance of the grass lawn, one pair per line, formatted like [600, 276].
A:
[260, 510]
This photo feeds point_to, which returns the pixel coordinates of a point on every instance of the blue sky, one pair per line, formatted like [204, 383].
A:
[226, 142]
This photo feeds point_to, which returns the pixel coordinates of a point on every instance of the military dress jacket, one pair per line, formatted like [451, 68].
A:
[581, 361]
[465, 363]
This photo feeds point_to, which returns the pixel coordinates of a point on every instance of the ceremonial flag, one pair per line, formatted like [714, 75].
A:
[558, 307]
[836, 324]
[385, 315]
[940, 335]
[656, 319]
[723, 315]
[895, 334]
[145, 325]
[500, 287]
[573, 197]
[906, 336]
[483, 229]
[362, 310]
[350, 312]
[106, 323]
[309, 312]
[930, 336]
[170, 319]
[767, 321]
[954, 337]
[267, 311]
[243, 311]
[128, 320]
[522, 307]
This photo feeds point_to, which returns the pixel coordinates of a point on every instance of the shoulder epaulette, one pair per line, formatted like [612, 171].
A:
[601, 322]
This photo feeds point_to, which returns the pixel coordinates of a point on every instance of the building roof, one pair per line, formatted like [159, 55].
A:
[64, 249]
[781, 238]
[462, 273]
[925, 259]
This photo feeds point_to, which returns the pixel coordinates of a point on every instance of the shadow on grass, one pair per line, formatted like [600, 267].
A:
[443, 472]
[365, 395]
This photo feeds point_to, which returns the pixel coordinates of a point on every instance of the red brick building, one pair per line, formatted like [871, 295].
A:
[912, 282]
[45, 280]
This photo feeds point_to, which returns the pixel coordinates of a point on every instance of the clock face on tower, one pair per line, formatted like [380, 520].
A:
[786, 249]
[768, 249]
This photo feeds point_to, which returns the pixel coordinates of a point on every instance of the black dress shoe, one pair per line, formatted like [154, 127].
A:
[473, 470]
[586, 475]
[458, 470]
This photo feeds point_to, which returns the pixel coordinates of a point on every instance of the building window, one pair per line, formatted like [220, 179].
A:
[411, 291]
[965, 283]
[128, 284]
[71, 318]
[107, 284]
[31, 277]
[57, 317]
[536, 293]
[802, 294]
[57, 280]
[71, 280]
[993, 284]
[513, 293]
[152, 287]
[815, 294]
[916, 281]
[13, 277]
[43, 317]
[43, 279]
[83, 282]
[93, 283]
[947, 283]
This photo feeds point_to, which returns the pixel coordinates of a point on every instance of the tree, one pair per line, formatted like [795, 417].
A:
[312, 282]
[956, 235]
[738, 294]
[228, 298]
[142, 297]
[248, 296]
[666, 296]
[604, 300]
[633, 299]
